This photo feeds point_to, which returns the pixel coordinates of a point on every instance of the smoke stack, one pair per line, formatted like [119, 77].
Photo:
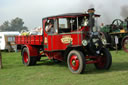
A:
[91, 21]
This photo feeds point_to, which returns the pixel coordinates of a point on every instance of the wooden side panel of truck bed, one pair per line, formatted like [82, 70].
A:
[29, 40]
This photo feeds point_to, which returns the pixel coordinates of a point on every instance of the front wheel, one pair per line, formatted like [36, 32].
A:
[104, 60]
[76, 62]
[27, 59]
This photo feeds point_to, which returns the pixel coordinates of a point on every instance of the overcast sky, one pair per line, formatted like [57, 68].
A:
[32, 11]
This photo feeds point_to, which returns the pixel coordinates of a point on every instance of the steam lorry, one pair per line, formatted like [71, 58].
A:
[74, 40]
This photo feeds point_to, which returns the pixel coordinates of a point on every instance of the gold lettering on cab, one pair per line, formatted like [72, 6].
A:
[66, 39]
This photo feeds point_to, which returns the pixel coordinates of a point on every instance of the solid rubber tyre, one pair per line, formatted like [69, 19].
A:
[27, 59]
[76, 62]
[105, 60]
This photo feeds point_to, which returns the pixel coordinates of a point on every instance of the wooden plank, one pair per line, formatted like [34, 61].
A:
[31, 40]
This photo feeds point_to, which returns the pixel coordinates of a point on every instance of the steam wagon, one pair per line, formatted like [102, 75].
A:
[115, 35]
[74, 39]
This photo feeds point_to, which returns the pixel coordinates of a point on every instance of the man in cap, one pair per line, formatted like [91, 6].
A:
[91, 20]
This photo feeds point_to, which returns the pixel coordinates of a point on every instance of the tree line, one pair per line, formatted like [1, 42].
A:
[16, 24]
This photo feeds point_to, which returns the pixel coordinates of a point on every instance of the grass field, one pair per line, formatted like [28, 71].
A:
[49, 73]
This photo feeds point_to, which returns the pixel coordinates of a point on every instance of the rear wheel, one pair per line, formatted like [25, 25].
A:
[76, 62]
[105, 60]
[27, 59]
[125, 44]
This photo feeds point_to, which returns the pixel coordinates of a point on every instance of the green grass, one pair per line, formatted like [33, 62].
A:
[49, 73]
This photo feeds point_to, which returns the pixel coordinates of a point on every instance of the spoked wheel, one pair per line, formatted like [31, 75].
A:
[27, 59]
[116, 24]
[76, 62]
[104, 60]
[125, 44]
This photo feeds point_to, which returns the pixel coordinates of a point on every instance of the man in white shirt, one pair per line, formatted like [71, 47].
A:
[49, 28]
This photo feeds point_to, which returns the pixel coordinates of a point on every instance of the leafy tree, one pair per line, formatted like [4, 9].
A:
[5, 26]
[16, 24]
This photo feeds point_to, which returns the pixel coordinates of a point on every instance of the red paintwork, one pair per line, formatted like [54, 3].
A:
[95, 59]
[29, 40]
[25, 57]
[70, 16]
[91, 62]
[52, 44]
[74, 62]
[101, 61]
[55, 43]
[54, 55]
[33, 51]
[41, 53]
[91, 57]
[84, 29]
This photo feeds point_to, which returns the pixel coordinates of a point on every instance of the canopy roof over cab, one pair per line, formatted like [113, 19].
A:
[67, 15]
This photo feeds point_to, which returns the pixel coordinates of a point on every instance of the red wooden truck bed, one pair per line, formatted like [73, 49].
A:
[30, 40]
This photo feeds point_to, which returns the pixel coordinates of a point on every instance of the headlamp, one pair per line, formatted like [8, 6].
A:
[84, 42]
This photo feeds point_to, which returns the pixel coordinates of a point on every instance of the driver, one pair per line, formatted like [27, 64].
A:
[49, 27]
